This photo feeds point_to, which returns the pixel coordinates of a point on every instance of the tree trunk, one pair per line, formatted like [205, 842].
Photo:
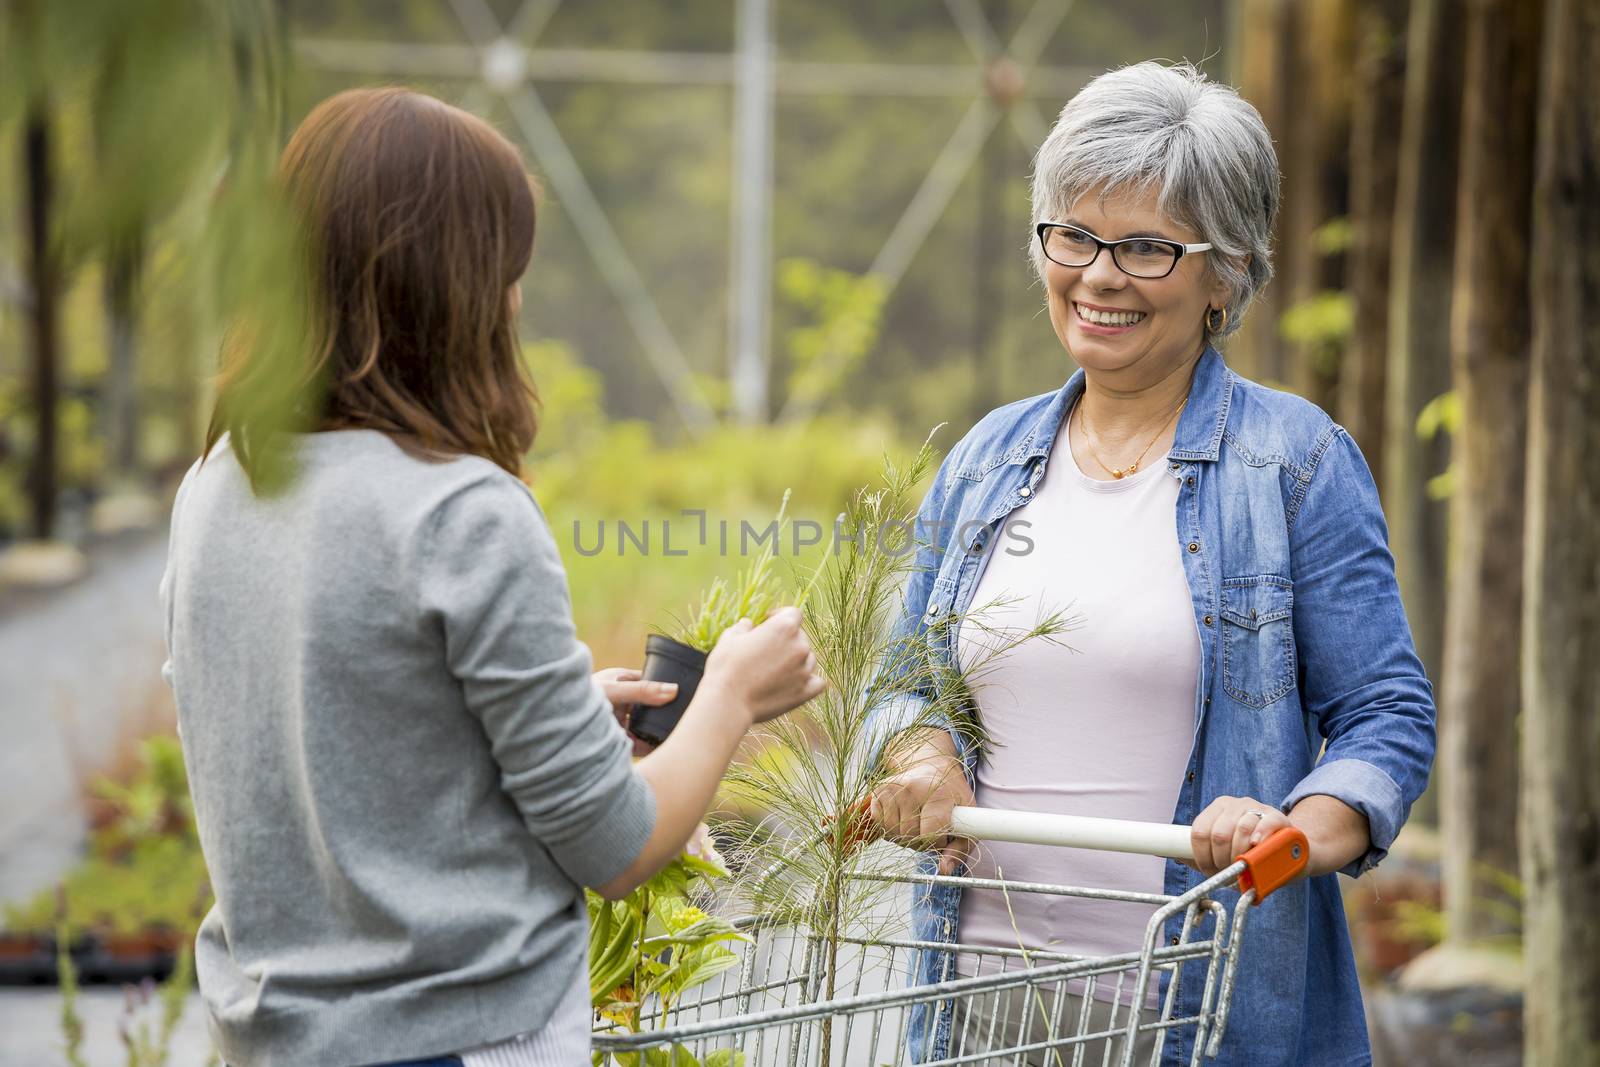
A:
[121, 396]
[1374, 160]
[43, 281]
[1561, 671]
[1419, 314]
[1263, 71]
[1490, 339]
[1317, 177]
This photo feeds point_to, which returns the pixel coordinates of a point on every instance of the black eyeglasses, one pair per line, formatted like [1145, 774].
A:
[1140, 257]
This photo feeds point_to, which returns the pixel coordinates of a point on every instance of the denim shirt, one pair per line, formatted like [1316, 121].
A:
[1308, 683]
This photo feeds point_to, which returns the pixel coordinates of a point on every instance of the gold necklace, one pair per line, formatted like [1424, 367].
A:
[1123, 472]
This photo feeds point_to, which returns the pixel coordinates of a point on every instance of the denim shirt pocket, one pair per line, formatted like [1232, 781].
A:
[1258, 658]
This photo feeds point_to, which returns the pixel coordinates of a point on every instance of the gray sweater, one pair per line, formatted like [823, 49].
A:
[402, 770]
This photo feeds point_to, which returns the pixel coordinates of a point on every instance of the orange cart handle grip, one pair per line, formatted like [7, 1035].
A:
[1275, 862]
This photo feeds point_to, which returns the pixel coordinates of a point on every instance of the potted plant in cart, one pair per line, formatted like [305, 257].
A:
[821, 767]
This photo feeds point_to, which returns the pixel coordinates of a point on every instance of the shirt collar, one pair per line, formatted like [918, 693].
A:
[1199, 434]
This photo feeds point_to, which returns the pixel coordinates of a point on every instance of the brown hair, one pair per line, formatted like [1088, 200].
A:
[416, 219]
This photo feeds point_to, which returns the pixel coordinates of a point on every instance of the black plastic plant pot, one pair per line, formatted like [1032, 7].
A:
[666, 660]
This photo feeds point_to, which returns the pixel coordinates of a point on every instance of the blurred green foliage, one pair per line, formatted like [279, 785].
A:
[1442, 414]
[1323, 323]
[144, 868]
[169, 113]
[587, 470]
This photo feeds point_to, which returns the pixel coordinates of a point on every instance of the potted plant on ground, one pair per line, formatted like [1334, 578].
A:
[128, 906]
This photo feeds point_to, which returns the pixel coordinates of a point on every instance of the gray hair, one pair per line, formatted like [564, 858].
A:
[1199, 145]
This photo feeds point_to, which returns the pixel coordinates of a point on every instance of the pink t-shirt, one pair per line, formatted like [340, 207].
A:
[1101, 727]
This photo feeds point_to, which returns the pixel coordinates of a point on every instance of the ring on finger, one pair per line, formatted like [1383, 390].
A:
[1258, 814]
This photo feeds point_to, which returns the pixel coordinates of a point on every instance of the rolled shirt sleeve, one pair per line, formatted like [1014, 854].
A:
[492, 578]
[1361, 680]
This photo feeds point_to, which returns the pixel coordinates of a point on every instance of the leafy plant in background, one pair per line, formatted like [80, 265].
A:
[1498, 893]
[1323, 322]
[1442, 414]
[654, 945]
[816, 770]
[145, 1046]
[585, 472]
[144, 869]
[753, 594]
[71, 1021]
[848, 313]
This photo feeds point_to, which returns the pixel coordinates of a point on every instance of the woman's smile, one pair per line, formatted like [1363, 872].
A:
[1106, 321]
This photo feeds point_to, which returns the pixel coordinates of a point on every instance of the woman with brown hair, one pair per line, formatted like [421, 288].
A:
[403, 771]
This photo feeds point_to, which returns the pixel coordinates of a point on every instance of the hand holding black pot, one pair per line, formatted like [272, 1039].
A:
[771, 665]
[753, 674]
[630, 693]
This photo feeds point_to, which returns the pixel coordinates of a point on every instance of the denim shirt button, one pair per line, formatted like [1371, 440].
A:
[1024, 491]
[1194, 546]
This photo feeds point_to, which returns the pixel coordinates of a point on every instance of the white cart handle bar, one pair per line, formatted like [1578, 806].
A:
[1277, 860]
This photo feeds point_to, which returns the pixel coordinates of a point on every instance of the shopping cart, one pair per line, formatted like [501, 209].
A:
[796, 998]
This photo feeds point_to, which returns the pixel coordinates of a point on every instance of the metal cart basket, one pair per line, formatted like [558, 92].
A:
[785, 1005]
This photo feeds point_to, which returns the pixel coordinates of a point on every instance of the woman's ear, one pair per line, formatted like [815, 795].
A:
[1222, 294]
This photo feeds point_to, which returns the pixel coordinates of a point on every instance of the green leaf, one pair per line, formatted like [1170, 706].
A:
[1324, 319]
[1442, 413]
[1334, 236]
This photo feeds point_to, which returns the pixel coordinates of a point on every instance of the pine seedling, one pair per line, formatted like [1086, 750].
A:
[820, 769]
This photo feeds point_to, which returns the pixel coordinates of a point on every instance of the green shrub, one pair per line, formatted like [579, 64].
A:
[144, 868]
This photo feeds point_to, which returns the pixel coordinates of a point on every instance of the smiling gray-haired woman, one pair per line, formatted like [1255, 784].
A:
[1243, 662]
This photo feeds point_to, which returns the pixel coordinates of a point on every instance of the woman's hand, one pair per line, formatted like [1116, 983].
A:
[765, 670]
[912, 807]
[754, 674]
[1229, 827]
[1336, 834]
[625, 687]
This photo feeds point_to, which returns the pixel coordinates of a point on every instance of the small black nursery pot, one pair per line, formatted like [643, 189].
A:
[666, 660]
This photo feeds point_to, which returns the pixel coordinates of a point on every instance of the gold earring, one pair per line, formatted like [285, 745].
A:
[1212, 325]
